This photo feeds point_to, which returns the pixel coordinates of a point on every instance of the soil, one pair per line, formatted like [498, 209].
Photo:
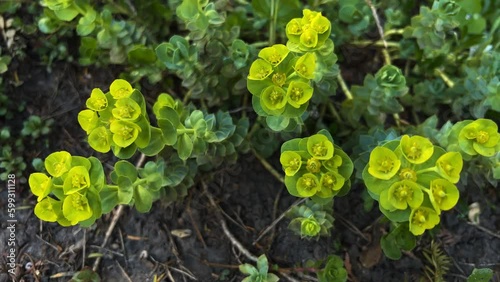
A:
[185, 241]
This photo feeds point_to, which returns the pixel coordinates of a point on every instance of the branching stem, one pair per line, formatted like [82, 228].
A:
[269, 167]
[344, 87]
[445, 78]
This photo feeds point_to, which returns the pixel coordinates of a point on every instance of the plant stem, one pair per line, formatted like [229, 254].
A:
[346, 91]
[185, 130]
[254, 128]
[334, 112]
[445, 78]
[259, 44]
[378, 43]
[268, 166]
[397, 119]
[387, 57]
[394, 31]
[273, 19]
[430, 169]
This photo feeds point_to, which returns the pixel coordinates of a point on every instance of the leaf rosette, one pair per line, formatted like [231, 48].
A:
[390, 76]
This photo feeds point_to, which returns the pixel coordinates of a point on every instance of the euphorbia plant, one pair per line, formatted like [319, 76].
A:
[117, 120]
[284, 78]
[70, 193]
[414, 181]
[315, 167]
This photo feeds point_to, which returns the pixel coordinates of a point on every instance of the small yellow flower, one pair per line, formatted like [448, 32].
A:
[383, 163]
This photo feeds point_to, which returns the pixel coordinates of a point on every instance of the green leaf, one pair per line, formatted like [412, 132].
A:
[390, 247]
[86, 24]
[109, 198]
[97, 177]
[188, 9]
[277, 123]
[141, 55]
[126, 169]
[480, 275]
[143, 199]
[184, 146]
[156, 144]
[144, 135]
[67, 14]
[125, 190]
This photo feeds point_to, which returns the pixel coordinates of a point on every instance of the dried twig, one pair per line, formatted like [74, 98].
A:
[377, 21]
[228, 234]
[484, 229]
[271, 226]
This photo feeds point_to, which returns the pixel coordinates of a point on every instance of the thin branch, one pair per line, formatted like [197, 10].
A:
[271, 226]
[228, 234]
[486, 230]
[344, 87]
[377, 21]
[269, 167]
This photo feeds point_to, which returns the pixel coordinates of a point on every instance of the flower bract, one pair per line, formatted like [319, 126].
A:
[307, 185]
[449, 166]
[299, 93]
[313, 165]
[306, 65]
[58, 163]
[422, 218]
[291, 162]
[120, 88]
[383, 164]
[77, 179]
[40, 184]
[99, 139]
[48, 209]
[273, 98]
[333, 163]
[97, 100]
[76, 208]
[405, 193]
[444, 194]
[260, 69]
[480, 137]
[330, 183]
[126, 109]
[88, 120]
[274, 54]
[416, 149]
[124, 132]
[320, 147]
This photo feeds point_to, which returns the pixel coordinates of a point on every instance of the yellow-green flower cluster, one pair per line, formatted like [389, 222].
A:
[315, 167]
[479, 137]
[280, 82]
[69, 194]
[413, 180]
[309, 32]
[114, 119]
